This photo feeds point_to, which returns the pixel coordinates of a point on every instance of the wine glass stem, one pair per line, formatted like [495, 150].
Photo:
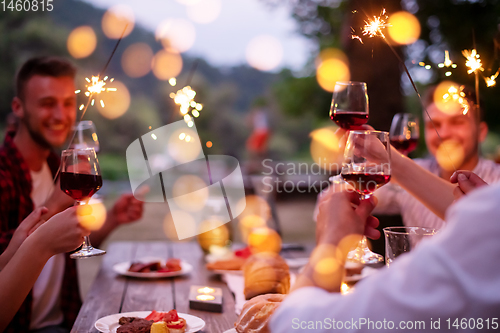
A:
[86, 246]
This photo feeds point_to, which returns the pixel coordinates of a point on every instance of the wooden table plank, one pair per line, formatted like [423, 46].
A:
[105, 296]
[149, 294]
[216, 322]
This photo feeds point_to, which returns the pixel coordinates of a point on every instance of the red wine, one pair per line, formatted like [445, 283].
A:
[366, 183]
[404, 146]
[80, 186]
[349, 120]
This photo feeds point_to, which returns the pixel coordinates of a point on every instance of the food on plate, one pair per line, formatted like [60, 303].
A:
[134, 325]
[159, 327]
[266, 273]
[233, 264]
[174, 323]
[243, 253]
[255, 314]
[172, 265]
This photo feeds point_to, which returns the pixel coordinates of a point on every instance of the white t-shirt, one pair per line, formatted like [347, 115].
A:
[46, 307]
[392, 199]
[451, 275]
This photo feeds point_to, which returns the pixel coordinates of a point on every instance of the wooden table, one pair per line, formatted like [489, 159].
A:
[112, 293]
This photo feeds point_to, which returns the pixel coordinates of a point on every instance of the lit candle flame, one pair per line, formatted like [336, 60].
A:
[206, 290]
[473, 61]
[205, 297]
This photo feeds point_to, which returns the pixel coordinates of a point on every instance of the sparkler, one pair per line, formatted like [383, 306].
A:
[189, 108]
[95, 87]
[491, 80]
[473, 61]
[458, 96]
[373, 28]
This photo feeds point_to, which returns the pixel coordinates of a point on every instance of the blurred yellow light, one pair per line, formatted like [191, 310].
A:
[264, 240]
[172, 81]
[179, 34]
[403, 28]
[182, 151]
[81, 42]
[188, 223]
[205, 11]
[166, 64]
[450, 155]
[446, 98]
[117, 102]
[136, 60]
[91, 216]
[212, 232]
[197, 190]
[325, 149]
[331, 66]
[116, 19]
[264, 52]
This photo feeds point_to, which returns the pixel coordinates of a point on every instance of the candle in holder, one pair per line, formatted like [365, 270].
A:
[205, 298]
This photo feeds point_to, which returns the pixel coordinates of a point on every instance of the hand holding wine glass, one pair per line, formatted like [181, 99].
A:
[349, 108]
[366, 167]
[404, 133]
[80, 179]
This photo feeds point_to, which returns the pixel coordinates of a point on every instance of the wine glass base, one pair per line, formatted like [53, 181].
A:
[364, 256]
[87, 253]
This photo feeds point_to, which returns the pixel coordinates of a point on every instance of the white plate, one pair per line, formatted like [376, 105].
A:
[122, 268]
[109, 324]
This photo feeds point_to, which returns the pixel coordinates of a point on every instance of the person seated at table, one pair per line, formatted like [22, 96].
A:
[32, 244]
[45, 105]
[450, 275]
[424, 193]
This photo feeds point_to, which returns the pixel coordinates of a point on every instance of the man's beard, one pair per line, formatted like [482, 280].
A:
[36, 135]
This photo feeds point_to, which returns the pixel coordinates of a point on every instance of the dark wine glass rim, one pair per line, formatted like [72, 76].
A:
[79, 149]
[394, 230]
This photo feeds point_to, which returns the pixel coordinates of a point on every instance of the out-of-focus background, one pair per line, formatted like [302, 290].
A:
[254, 65]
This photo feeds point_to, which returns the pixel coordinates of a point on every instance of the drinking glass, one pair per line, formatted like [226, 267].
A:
[85, 136]
[399, 240]
[80, 179]
[349, 108]
[404, 132]
[366, 167]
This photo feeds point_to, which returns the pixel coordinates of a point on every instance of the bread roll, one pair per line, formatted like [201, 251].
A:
[266, 273]
[256, 313]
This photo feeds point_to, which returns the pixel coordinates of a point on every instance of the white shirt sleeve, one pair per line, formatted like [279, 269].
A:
[388, 199]
[452, 275]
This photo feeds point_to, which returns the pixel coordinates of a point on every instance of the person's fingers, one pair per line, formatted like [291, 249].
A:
[365, 208]
[32, 230]
[454, 177]
[372, 233]
[84, 231]
[457, 193]
[367, 127]
[353, 197]
[476, 180]
[466, 184]
[371, 227]
[33, 218]
[372, 222]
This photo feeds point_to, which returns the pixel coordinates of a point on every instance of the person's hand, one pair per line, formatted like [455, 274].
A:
[339, 218]
[58, 201]
[467, 181]
[62, 232]
[25, 228]
[127, 209]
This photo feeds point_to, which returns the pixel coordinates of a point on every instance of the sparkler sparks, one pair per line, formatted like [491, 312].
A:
[473, 61]
[491, 80]
[185, 98]
[373, 27]
[458, 96]
[95, 87]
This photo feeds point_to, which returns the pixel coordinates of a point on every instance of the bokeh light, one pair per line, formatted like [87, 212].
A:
[184, 150]
[91, 216]
[169, 227]
[403, 28]
[205, 11]
[179, 34]
[264, 240]
[264, 52]
[325, 150]
[116, 102]
[209, 144]
[447, 98]
[167, 64]
[212, 232]
[81, 42]
[116, 19]
[136, 60]
[450, 155]
[331, 66]
[190, 193]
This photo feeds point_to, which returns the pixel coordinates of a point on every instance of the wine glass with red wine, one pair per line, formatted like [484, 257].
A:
[80, 179]
[349, 108]
[366, 167]
[404, 132]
